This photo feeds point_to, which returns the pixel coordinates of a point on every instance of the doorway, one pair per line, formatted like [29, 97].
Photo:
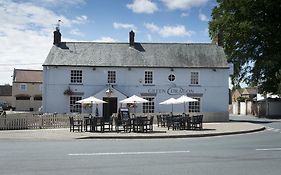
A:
[110, 107]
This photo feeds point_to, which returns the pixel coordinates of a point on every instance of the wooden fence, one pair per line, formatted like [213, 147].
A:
[34, 121]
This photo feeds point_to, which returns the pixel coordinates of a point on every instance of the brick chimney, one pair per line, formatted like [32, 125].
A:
[219, 38]
[57, 36]
[131, 39]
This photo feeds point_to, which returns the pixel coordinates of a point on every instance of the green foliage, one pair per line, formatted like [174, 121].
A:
[251, 33]
[242, 99]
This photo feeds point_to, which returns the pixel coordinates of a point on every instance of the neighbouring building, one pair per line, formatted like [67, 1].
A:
[6, 94]
[243, 101]
[155, 71]
[268, 105]
[27, 89]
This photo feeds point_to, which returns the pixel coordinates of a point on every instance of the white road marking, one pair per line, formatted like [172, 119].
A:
[269, 129]
[269, 149]
[276, 130]
[126, 153]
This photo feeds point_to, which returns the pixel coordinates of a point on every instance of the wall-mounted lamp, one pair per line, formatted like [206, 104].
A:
[214, 70]
[108, 92]
[94, 68]
[129, 68]
[172, 69]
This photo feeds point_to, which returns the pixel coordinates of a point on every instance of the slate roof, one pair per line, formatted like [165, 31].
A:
[142, 55]
[28, 76]
[250, 91]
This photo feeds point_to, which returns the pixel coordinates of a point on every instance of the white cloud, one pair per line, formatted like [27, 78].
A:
[151, 27]
[178, 30]
[117, 25]
[184, 14]
[143, 6]
[76, 32]
[183, 4]
[80, 19]
[106, 39]
[203, 17]
[58, 3]
[27, 31]
[167, 31]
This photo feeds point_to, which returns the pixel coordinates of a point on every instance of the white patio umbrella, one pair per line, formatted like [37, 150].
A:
[91, 100]
[134, 99]
[170, 101]
[184, 99]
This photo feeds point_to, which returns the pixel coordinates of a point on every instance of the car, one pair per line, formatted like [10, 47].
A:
[4, 106]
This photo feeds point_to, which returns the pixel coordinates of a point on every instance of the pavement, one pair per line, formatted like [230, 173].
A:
[209, 129]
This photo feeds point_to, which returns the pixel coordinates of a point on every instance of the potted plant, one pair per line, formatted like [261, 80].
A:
[68, 92]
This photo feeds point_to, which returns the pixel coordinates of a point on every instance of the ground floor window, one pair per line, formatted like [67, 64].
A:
[195, 105]
[22, 97]
[148, 107]
[75, 107]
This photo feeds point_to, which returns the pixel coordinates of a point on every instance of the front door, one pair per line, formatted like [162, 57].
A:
[109, 107]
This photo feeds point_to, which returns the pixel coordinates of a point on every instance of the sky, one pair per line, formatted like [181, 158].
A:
[26, 30]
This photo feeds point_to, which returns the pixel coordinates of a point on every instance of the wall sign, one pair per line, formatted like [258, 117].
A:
[172, 91]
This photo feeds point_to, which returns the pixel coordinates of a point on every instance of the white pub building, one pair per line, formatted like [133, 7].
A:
[155, 71]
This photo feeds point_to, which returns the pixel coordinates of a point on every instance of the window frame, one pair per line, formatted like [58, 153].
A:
[171, 77]
[23, 85]
[149, 107]
[111, 76]
[192, 79]
[147, 81]
[73, 106]
[195, 106]
[75, 77]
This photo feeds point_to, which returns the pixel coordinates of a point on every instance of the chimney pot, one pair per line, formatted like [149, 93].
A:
[219, 38]
[131, 38]
[57, 37]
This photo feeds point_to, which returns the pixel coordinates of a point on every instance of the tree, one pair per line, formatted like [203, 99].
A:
[251, 32]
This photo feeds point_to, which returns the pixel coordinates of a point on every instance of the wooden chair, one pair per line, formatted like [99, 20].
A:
[148, 124]
[97, 124]
[197, 122]
[75, 124]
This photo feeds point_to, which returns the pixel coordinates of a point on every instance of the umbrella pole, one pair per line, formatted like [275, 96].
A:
[184, 108]
[91, 107]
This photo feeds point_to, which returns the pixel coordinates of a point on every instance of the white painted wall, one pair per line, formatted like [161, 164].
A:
[213, 87]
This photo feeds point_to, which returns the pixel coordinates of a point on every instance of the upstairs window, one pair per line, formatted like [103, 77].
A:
[23, 87]
[148, 77]
[76, 76]
[194, 78]
[111, 77]
[171, 77]
[195, 105]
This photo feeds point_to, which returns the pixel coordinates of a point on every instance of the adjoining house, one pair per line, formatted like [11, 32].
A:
[27, 89]
[154, 71]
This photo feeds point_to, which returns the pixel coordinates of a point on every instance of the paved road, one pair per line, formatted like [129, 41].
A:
[255, 153]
